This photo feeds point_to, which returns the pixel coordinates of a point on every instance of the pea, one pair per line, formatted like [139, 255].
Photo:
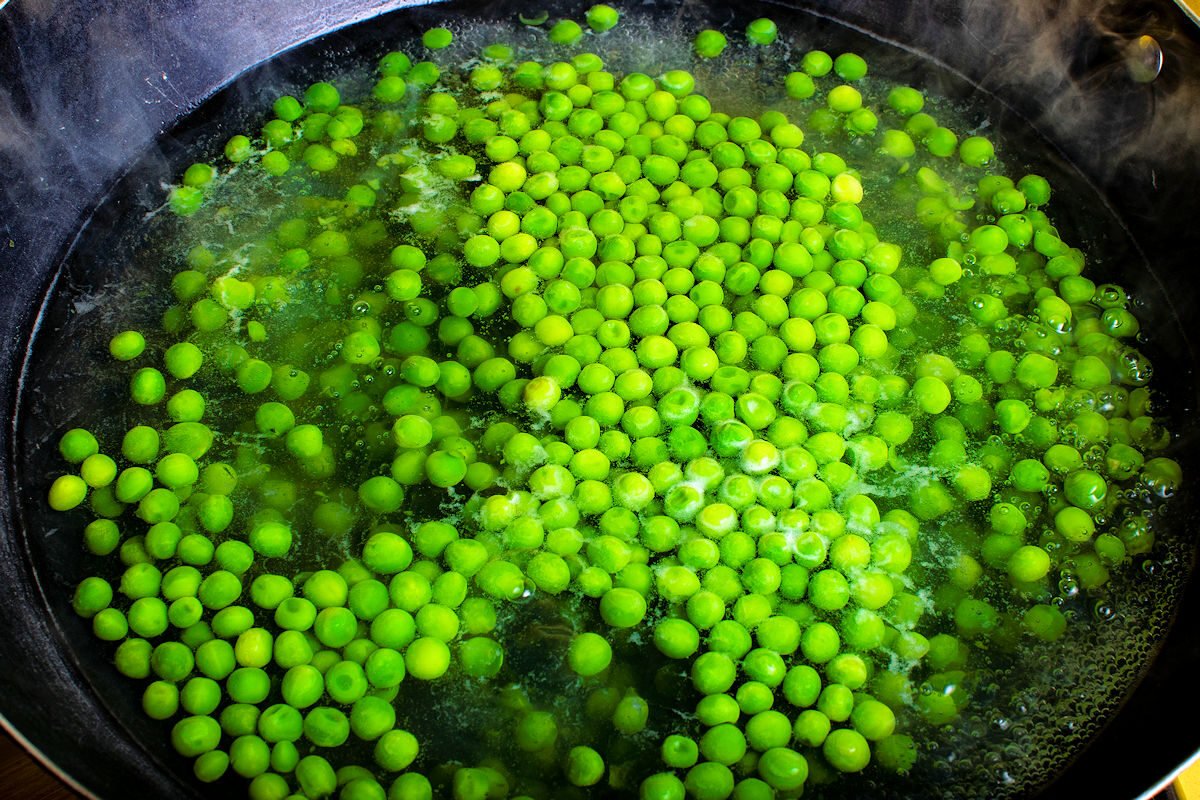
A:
[709, 43]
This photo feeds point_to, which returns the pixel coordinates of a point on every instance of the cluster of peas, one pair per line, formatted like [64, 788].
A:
[648, 354]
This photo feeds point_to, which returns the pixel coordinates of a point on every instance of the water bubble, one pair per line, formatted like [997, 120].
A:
[1110, 296]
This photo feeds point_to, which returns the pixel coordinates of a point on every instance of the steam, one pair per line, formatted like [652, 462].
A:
[1095, 68]
[83, 92]
[1086, 76]
[90, 90]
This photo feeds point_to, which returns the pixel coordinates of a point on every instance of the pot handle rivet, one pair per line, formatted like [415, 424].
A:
[1144, 58]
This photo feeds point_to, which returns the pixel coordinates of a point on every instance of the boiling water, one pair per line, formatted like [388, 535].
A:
[1031, 706]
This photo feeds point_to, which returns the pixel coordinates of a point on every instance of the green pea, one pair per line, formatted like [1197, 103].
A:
[195, 735]
[977, 151]
[602, 17]
[147, 386]
[1085, 489]
[565, 32]
[709, 43]
[98, 470]
[709, 780]
[381, 494]
[762, 32]
[584, 766]
[67, 492]
[437, 38]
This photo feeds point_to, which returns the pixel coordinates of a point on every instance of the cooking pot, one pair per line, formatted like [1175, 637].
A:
[92, 92]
